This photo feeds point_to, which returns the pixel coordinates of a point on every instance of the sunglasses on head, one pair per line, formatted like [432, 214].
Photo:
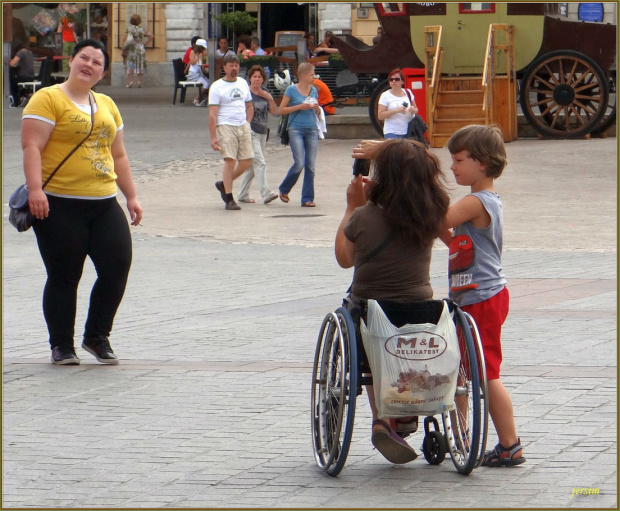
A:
[394, 79]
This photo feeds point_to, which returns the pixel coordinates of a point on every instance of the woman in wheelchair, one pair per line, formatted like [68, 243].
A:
[387, 232]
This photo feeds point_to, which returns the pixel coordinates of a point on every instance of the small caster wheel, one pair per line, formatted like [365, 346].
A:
[434, 447]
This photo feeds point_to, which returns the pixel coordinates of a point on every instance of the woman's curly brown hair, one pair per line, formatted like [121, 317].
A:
[406, 184]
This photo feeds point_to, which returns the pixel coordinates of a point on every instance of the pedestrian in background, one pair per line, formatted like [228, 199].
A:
[189, 50]
[396, 108]
[243, 46]
[309, 37]
[258, 51]
[195, 73]
[377, 39]
[136, 57]
[222, 49]
[230, 114]
[301, 102]
[263, 106]
[22, 70]
[78, 214]
[327, 46]
[66, 27]
[326, 99]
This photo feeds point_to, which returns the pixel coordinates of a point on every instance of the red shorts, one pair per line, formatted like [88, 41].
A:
[489, 316]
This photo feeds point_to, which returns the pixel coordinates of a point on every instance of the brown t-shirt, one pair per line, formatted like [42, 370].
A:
[401, 271]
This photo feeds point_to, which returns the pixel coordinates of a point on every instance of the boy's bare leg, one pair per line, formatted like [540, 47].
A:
[501, 411]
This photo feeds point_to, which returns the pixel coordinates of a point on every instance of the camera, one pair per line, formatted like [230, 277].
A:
[361, 166]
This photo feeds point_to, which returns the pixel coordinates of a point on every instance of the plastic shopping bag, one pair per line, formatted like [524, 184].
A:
[414, 367]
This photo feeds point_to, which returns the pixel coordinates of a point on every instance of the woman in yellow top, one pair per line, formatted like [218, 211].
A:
[77, 213]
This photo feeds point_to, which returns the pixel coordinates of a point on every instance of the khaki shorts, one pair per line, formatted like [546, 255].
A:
[235, 141]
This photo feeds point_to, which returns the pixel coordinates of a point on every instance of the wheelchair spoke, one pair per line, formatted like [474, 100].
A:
[331, 400]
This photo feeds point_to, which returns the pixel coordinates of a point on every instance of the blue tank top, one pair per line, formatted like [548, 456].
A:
[475, 263]
[301, 118]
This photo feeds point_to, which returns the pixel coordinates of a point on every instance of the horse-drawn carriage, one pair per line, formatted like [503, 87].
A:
[565, 69]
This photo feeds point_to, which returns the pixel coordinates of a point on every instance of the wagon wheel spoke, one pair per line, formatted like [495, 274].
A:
[578, 115]
[572, 72]
[542, 101]
[585, 108]
[548, 109]
[586, 87]
[551, 74]
[561, 71]
[567, 117]
[556, 115]
[580, 79]
[544, 82]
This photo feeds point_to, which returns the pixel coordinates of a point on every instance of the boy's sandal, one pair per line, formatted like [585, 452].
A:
[503, 457]
[391, 445]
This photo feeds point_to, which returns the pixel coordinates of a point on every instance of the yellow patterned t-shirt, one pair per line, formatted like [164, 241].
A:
[89, 172]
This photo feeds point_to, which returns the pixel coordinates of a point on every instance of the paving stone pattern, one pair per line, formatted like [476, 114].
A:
[209, 407]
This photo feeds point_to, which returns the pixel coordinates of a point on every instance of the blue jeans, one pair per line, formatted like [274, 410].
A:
[387, 136]
[304, 143]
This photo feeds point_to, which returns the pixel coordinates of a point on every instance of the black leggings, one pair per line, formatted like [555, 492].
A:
[74, 229]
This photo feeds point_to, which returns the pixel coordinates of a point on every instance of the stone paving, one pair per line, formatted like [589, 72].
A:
[209, 407]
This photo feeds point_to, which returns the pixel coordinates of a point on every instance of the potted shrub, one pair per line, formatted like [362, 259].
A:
[262, 60]
[240, 22]
[336, 61]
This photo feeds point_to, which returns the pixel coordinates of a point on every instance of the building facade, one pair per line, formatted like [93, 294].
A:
[173, 24]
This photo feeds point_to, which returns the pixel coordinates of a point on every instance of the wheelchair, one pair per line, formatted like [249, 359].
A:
[340, 370]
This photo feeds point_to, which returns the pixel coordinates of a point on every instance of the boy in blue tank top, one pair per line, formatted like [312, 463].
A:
[477, 283]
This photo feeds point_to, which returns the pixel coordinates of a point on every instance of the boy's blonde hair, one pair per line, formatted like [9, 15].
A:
[484, 144]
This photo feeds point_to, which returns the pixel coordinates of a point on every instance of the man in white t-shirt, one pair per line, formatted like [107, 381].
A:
[230, 113]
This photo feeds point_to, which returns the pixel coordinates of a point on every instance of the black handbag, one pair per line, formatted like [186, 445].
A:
[283, 128]
[20, 216]
[416, 127]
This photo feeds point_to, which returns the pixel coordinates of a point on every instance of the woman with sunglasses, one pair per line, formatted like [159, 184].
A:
[396, 108]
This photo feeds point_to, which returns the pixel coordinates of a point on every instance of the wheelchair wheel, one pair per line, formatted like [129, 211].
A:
[434, 448]
[463, 425]
[334, 391]
[482, 373]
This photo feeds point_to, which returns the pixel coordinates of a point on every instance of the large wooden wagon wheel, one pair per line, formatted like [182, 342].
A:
[609, 118]
[373, 105]
[564, 94]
